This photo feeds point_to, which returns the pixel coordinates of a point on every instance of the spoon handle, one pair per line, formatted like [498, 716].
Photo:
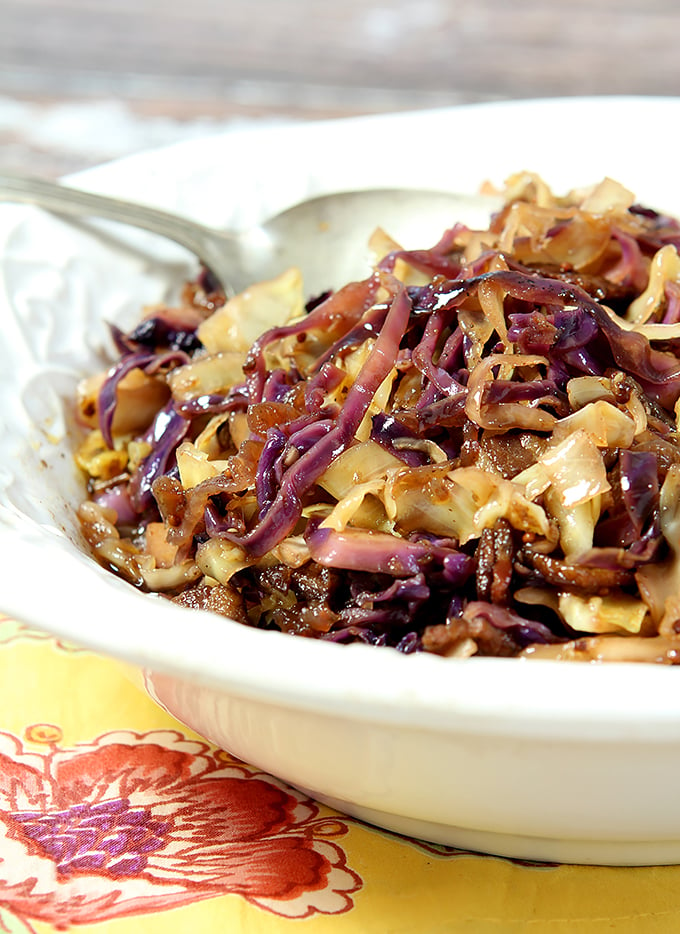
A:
[215, 249]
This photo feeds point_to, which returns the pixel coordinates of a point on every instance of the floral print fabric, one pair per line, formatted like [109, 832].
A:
[115, 819]
[134, 823]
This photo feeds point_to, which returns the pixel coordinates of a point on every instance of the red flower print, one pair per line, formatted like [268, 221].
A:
[140, 823]
[13, 631]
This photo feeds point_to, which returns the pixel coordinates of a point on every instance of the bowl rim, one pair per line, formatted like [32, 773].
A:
[531, 698]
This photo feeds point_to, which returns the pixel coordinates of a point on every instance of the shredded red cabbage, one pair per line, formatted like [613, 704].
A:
[478, 458]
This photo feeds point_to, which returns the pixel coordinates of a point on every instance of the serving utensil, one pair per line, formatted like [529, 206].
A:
[326, 236]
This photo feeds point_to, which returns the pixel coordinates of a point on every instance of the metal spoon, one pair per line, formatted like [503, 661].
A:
[326, 236]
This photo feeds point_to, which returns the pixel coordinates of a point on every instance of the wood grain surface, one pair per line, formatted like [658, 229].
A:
[213, 61]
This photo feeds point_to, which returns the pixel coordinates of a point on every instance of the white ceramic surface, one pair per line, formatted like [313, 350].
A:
[539, 760]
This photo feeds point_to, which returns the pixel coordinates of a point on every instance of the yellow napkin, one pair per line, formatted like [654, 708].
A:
[118, 819]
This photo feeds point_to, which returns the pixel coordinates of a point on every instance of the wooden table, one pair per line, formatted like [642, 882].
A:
[82, 81]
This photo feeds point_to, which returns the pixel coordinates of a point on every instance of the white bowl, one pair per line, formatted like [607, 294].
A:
[540, 760]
